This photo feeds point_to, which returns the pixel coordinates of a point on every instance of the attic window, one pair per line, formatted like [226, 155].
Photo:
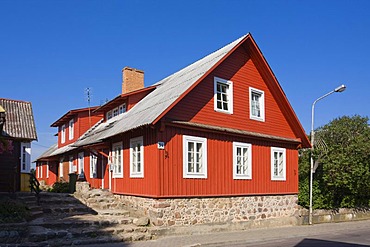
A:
[223, 95]
[257, 104]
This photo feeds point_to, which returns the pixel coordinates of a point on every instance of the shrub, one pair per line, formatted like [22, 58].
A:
[60, 187]
[12, 211]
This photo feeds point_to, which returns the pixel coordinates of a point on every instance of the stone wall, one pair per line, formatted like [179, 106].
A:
[193, 211]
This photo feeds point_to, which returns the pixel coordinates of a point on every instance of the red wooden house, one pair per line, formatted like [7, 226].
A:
[214, 142]
[62, 158]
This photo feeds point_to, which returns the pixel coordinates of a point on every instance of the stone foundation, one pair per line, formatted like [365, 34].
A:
[193, 211]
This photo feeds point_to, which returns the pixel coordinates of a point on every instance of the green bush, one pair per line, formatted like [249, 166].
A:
[12, 211]
[60, 187]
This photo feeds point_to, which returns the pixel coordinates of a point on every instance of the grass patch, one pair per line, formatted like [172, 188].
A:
[12, 211]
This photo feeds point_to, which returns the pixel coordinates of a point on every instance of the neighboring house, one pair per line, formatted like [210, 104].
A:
[62, 158]
[214, 142]
[17, 132]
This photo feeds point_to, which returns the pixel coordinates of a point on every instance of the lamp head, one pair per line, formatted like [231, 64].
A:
[340, 89]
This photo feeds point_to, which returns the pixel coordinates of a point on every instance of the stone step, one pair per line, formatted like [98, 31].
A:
[114, 212]
[35, 214]
[70, 208]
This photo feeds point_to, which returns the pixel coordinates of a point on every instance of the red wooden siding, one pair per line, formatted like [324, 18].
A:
[149, 185]
[198, 105]
[135, 98]
[220, 167]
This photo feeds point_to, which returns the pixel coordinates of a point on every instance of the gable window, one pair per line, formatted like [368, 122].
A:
[137, 157]
[93, 165]
[61, 168]
[122, 108]
[25, 157]
[278, 164]
[257, 104]
[71, 164]
[223, 95]
[117, 160]
[242, 160]
[71, 129]
[80, 163]
[194, 157]
[63, 134]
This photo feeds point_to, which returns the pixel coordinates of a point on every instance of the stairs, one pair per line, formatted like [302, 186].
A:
[30, 201]
[65, 220]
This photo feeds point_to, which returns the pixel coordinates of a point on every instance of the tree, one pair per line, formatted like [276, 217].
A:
[6, 146]
[342, 178]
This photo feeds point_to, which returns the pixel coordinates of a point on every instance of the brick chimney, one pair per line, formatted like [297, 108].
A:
[132, 79]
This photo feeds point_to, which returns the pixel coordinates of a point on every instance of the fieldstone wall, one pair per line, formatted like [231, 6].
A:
[192, 211]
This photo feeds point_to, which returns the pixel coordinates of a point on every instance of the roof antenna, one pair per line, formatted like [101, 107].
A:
[88, 98]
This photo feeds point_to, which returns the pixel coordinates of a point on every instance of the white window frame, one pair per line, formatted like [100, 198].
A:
[47, 169]
[63, 133]
[122, 108]
[248, 171]
[196, 140]
[25, 157]
[70, 162]
[229, 94]
[135, 172]
[109, 115]
[41, 171]
[93, 166]
[80, 162]
[71, 129]
[261, 104]
[282, 176]
[115, 112]
[117, 159]
[61, 168]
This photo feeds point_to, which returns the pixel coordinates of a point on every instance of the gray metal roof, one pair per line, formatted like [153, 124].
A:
[154, 104]
[54, 150]
[48, 152]
[19, 118]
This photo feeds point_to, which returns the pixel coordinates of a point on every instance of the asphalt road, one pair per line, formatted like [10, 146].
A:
[345, 234]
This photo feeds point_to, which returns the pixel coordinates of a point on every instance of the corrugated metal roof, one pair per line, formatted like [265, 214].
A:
[154, 104]
[54, 150]
[20, 122]
[48, 152]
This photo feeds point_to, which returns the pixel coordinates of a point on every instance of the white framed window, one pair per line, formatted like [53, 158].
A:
[115, 112]
[63, 134]
[194, 157]
[47, 169]
[71, 129]
[137, 157]
[242, 160]
[25, 157]
[122, 108]
[256, 104]
[117, 160]
[41, 167]
[80, 163]
[93, 165]
[71, 164]
[278, 163]
[61, 168]
[223, 95]
[109, 115]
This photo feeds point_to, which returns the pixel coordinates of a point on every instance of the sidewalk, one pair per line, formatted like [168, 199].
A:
[253, 236]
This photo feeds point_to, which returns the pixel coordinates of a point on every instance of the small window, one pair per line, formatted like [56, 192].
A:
[63, 134]
[61, 168]
[122, 108]
[25, 157]
[257, 104]
[117, 160]
[194, 157]
[71, 170]
[109, 115]
[71, 129]
[93, 165]
[242, 164]
[115, 112]
[223, 95]
[278, 164]
[137, 157]
[80, 163]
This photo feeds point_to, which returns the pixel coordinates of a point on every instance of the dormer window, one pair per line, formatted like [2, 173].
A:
[122, 108]
[109, 115]
[71, 129]
[116, 111]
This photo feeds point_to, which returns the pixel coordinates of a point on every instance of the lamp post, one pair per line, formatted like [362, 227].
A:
[339, 89]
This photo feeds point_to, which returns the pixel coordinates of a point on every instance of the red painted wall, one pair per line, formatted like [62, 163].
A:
[198, 105]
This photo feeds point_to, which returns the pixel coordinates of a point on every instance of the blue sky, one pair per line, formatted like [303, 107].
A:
[50, 51]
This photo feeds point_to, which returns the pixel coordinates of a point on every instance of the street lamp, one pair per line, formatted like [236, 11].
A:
[339, 89]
